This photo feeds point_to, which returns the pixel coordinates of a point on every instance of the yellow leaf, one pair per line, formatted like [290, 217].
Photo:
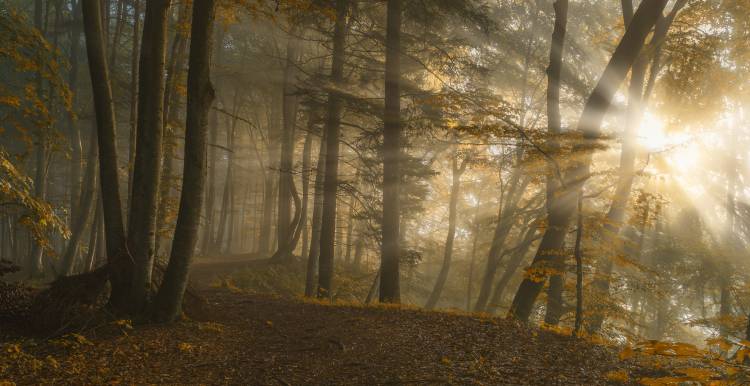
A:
[627, 353]
[185, 347]
[618, 376]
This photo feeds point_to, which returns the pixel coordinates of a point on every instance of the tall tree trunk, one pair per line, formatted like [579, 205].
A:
[390, 254]
[306, 161]
[87, 200]
[117, 255]
[171, 124]
[208, 226]
[518, 254]
[286, 161]
[226, 199]
[636, 107]
[578, 253]
[168, 302]
[144, 197]
[269, 196]
[473, 258]
[330, 182]
[506, 215]
[73, 129]
[119, 24]
[96, 224]
[312, 258]
[554, 122]
[589, 125]
[135, 58]
[452, 214]
[40, 178]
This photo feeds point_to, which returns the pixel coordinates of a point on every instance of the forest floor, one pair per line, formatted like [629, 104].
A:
[244, 338]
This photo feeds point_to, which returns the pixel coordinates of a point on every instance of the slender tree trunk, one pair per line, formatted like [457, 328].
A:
[171, 124]
[349, 231]
[590, 126]
[119, 24]
[448, 251]
[135, 58]
[578, 252]
[286, 161]
[306, 161]
[330, 182]
[87, 200]
[117, 254]
[472, 262]
[168, 303]
[390, 253]
[506, 215]
[269, 197]
[144, 197]
[529, 235]
[96, 224]
[73, 129]
[312, 258]
[208, 227]
[224, 216]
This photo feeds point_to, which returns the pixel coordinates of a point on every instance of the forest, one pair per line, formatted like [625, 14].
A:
[375, 192]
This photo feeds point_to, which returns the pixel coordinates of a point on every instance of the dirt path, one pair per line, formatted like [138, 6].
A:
[260, 340]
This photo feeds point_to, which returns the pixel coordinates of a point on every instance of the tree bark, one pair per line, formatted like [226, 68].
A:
[390, 251]
[330, 182]
[135, 58]
[590, 126]
[168, 301]
[117, 254]
[144, 197]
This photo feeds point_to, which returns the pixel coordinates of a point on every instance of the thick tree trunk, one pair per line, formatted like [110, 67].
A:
[120, 263]
[144, 197]
[390, 253]
[448, 251]
[554, 123]
[168, 303]
[590, 126]
[330, 182]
